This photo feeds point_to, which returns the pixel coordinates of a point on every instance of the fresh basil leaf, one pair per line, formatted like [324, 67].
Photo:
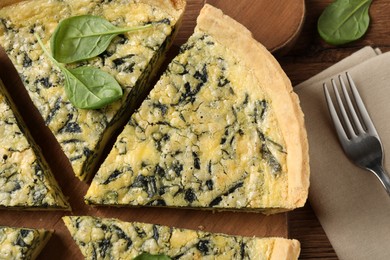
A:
[87, 87]
[91, 88]
[344, 21]
[147, 256]
[83, 37]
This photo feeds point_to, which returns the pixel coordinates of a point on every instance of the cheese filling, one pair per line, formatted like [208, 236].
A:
[131, 58]
[205, 137]
[22, 243]
[25, 179]
[113, 239]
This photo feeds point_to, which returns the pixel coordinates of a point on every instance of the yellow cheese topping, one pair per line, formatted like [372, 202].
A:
[25, 178]
[205, 137]
[114, 239]
[22, 243]
[131, 59]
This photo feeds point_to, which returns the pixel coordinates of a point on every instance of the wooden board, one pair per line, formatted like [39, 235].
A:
[276, 24]
[61, 245]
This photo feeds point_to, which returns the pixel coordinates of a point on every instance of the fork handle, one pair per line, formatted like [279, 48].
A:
[383, 177]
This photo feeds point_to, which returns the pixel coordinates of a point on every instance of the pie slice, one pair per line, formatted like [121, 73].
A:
[100, 238]
[22, 243]
[26, 181]
[132, 58]
[222, 129]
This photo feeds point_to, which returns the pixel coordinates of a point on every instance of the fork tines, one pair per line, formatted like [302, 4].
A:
[355, 119]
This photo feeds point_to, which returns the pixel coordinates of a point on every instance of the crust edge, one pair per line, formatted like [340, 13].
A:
[177, 5]
[173, 7]
[286, 249]
[277, 85]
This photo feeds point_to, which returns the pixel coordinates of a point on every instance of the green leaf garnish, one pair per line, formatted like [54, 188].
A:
[344, 21]
[91, 88]
[147, 256]
[87, 87]
[83, 37]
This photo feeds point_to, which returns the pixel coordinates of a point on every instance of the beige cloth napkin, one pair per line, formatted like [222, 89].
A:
[349, 202]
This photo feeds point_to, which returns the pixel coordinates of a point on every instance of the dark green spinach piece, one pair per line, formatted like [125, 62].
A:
[344, 21]
[87, 87]
[147, 256]
[83, 37]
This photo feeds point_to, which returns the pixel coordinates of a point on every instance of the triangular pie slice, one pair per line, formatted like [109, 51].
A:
[22, 243]
[132, 58]
[102, 238]
[222, 129]
[26, 181]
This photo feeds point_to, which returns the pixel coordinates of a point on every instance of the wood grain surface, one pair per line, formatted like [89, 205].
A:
[61, 246]
[276, 24]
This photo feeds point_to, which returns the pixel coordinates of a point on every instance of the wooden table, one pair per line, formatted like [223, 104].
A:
[308, 57]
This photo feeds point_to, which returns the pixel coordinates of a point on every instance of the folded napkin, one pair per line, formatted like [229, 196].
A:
[350, 203]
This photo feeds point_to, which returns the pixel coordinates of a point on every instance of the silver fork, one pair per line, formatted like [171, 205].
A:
[356, 132]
